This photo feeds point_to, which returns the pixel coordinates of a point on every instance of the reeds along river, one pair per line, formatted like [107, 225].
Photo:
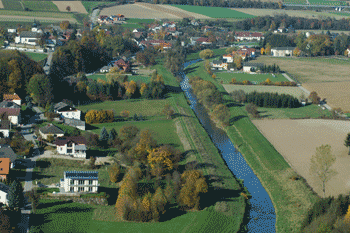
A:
[262, 213]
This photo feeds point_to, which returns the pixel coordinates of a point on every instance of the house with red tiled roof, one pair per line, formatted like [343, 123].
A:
[13, 97]
[5, 164]
[125, 65]
[13, 114]
[203, 41]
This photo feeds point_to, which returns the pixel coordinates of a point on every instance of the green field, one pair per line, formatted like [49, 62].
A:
[294, 2]
[215, 12]
[89, 5]
[36, 56]
[138, 106]
[328, 3]
[12, 5]
[341, 13]
[134, 20]
[217, 54]
[40, 5]
[254, 78]
[311, 110]
[37, 14]
[132, 25]
[135, 78]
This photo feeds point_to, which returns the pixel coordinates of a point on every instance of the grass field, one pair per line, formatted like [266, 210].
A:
[135, 78]
[311, 110]
[294, 1]
[328, 3]
[132, 25]
[40, 5]
[215, 12]
[37, 14]
[12, 5]
[36, 56]
[134, 20]
[89, 5]
[217, 54]
[254, 78]
[341, 13]
[75, 6]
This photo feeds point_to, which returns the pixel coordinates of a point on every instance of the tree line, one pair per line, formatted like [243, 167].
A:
[272, 100]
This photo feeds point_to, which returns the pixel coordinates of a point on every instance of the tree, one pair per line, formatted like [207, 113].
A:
[65, 25]
[262, 51]
[315, 99]
[237, 60]
[130, 88]
[15, 195]
[268, 49]
[40, 89]
[146, 143]
[124, 114]
[222, 113]
[321, 164]
[158, 203]
[347, 142]
[252, 109]
[68, 8]
[7, 224]
[168, 111]
[33, 197]
[206, 53]
[103, 135]
[239, 96]
[113, 172]
[128, 132]
[112, 134]
[92, 162]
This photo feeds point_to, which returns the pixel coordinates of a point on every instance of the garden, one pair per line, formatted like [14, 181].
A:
[36, 56]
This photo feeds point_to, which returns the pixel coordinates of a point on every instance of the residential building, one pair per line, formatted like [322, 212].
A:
[249, 36]
[67, 111]
[122, 64]
[282, 51]
[228, 58]
[203, 41]
[348, 52]
[4, 189]
[104, 69]
[75, 146]
[248, 65]
[4, 128]
[13, 114]
[50, 129]
[80, 181]
[218, 65]
[14, 98]
[75, 123]
[5, 164]
[27, 37]
[7, 152]
[9, 104]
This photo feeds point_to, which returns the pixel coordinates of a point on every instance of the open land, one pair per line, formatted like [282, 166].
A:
[226, 77]
[40, 6]
[328, 3]
[75, 6]
[317, 74]
[36, 56]
[297, 140]
[12, 5]
[89, 5]
[294, 13]
[32, 18]
[215, 12]
[1, 5]
[294, 1]
[320, 31]
[312, 111]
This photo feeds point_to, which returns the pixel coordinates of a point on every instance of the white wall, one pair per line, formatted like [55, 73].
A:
[14, 119]
[6, 132]
[3, 197]
[71, 114]
[86, 186]
[246, 68]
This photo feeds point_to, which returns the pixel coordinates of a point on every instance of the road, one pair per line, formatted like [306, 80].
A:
[39, 113]
[48, 63]
[93, 17]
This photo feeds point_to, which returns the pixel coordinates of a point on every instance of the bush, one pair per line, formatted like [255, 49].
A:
[252, 109]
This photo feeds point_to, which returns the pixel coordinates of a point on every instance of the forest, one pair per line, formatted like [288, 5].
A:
[272, 100]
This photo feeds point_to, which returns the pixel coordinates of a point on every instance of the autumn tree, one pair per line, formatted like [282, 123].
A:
[230, 50]
[206, 53]
[239, 96]
[130, 88]
[315, 99]
[262, 51]
[143, 89]
[68, 8]
[321, 164]
[168, 111]
[222, 114]
[125, 113]
[113, 172]
[296, 52]
[92, 162]
[40, 89]
[64, 25]
[147, 205]
[15, 77]
[252, 109]
[102, 116]
[268, 49]
[237, 60]
[194, 183]
[145, 143]
[158, 204]
[128, 132]
[347, 142]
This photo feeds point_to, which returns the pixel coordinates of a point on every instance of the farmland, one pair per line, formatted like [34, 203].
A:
[312, 111]
[135, 78]
[75, 6]
[12, 5]
[60, 15]
[297, 140]
[215, 12]
[328, 3]
[90, 5]
[40, 6]
[254, 78]
[294, 2]
[1, 5]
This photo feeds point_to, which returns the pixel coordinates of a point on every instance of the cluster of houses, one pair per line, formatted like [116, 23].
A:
[105, 19]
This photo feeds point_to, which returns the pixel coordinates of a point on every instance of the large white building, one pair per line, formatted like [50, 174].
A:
[27, 37]
[67, 111]
[4, 193]
[80, 181]
[75, 146]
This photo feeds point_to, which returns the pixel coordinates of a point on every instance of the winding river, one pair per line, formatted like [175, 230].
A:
[262, 213]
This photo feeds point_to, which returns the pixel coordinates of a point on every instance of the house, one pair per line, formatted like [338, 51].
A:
[348, 52]
[80, 181]
[75, 146]
[228, 58]
[4, 128]
[50, 129]
[282, 51]
[75, 123]
[5, 164]
[67, 111]
[195, 23]
[203, 41]
[9, 104]
[27, 37]
[11, 30]
[104, 69]
[125, 65]
[13, 114]
[7, 152]
[247, 66]
[14, 98]
[218, 65]
[249, 36]
[4, 189]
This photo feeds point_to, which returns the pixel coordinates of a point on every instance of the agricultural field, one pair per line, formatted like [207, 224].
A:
[295, 2]
[297, 140]
[135, 78]
[60, 15]
[40, 5]
[90, 5]
[30, 19]
[215, 12]
[294, 91]
[1, 5]
[328, 3]
[293, 13]
[36, 56]
[311, 110]
[75, 6]
[12, 5]
[226, 77]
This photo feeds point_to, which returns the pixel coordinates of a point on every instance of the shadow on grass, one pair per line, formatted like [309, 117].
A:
[190, 70]
[187, 153]
[37, 176]
[90, 127]
[175, 115]
[173, 89]
[112, 192]
[236, 118]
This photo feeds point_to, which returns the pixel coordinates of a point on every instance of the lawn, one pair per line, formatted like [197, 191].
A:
[36, 56]
[132, 25]
[12, 5]
[138, 106]
[89, 5]
[215, 12]
[311, 110]
[226, 77]
[40, 5]
[328, 3]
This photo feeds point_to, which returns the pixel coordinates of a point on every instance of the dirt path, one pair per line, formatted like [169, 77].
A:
[28, 18]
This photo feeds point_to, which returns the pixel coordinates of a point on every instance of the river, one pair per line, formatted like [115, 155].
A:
[262, 213]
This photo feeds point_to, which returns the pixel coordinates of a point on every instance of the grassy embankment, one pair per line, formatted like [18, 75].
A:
[135, 78]
[254, 78]
[90, 5]
[291, 198]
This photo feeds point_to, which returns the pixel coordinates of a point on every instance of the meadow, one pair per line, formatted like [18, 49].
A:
[215, 12]
[136, 78]
[226, 77]
[312, 111]
[328, 3]
[36, 56]
[12, 5]
[294, 2]
[40, 5]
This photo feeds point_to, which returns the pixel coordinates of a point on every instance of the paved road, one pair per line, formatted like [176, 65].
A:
[48, 63]
[40, 113]
[93, 17]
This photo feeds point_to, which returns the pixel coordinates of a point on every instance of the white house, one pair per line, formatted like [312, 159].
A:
[80, 181]
[218, 65]
[282, 51]
[348, 52]
[4, 128]
[247, 66]
[13, 114]
[11, 30]
[14, 98]
[4, 189]
[228, 58]
[50, 129]
[67, 111]
[104, 69]
[75, 146]
[27, 37]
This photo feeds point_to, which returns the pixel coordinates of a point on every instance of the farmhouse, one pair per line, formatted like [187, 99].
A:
[27, 37]
[282, 51]
[248, 66]
[50, 129]
[218, 65]
[13, 98]
[80, 181]
[7, 152]
[125, 65]
[4, 128]
[228, 58]
[67, 111]
[75, 146]
[5, 164]
[4, 189]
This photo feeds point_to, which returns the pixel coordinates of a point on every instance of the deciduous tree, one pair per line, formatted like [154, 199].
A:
[206, 53]
[33, 197]
[347, 142]
[40, 89]
[168, 111]
[315, 99]
[113, 172]
[222, 113]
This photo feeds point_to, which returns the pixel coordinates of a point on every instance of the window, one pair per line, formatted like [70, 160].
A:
[90, 189]
[81, 181]
[90, 181]
[71, 182]
[71, 189]
[81, 189]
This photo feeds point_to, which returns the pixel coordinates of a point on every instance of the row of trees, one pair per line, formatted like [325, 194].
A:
[99, 116]
[272, 100]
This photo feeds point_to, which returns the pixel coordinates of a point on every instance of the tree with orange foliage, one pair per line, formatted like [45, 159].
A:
[65, 25]
[130, 88]
[158, 203]
[145, 144]
[262, 51]
[143, 89]
[125, 113]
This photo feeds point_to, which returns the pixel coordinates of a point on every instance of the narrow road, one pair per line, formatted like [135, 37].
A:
[48, 63]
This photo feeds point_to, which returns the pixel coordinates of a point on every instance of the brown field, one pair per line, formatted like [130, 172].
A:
[75, 6]
[31, 19]
[297, 140]
[303, 13]
[1, 6]
[150, 11]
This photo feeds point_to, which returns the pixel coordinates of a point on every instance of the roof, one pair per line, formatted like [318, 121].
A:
[9, 104]
[284, 48]
[4, 166]
[202, 39]
[74, 122]
[81, 175]
[3, 187]
[217, 62]
[67, 109]
[253, 64]
[11, 97]
[121, 62]
[228, 55]
[59, 105]
[29, 34]
[4, 124]
[10, 111]
[249, 34]
[51, 129]
[80, 147]
[60, 141]
[7, 152]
